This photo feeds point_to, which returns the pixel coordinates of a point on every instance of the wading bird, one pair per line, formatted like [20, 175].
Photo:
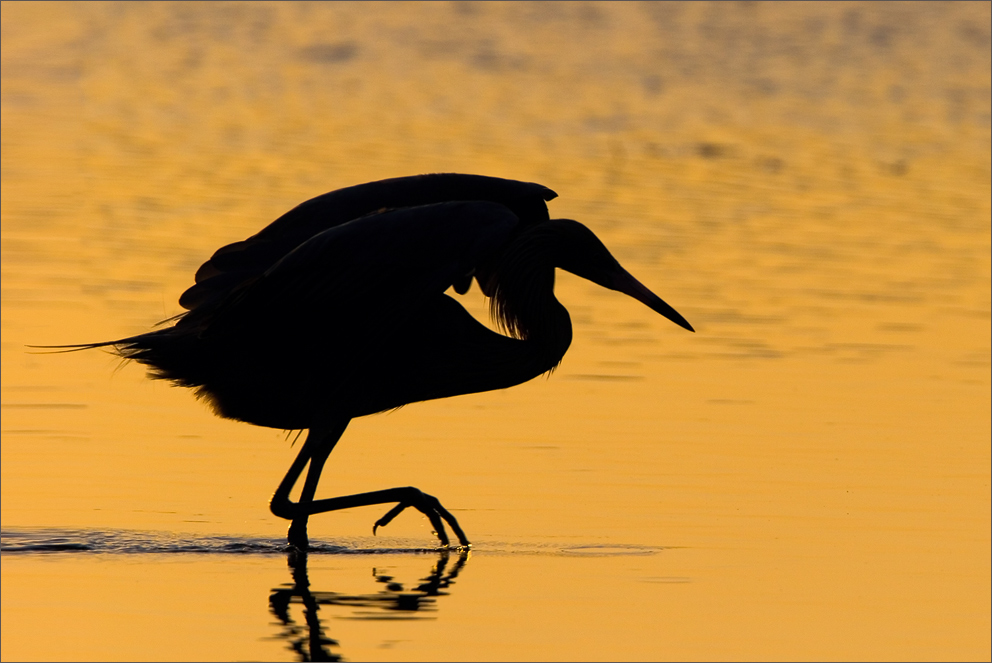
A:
[337, 309]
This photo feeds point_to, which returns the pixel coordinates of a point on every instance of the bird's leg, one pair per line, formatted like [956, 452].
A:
[298, 528]
[406, 497]
[428, 505]
[318, 446]
[320, 441]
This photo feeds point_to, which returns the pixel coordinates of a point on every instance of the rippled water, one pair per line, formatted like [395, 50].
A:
[807, 476]
[125, 542]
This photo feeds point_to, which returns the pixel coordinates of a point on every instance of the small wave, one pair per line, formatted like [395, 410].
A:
[40, 541]
[134, 542]
[610, 550]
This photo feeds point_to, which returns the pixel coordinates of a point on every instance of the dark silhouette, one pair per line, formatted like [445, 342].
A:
[393, 601]
[337, 310]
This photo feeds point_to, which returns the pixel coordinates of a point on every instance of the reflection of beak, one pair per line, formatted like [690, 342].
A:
[628, 285]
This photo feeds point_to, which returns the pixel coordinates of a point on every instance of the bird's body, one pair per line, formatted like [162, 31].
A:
[338, 310]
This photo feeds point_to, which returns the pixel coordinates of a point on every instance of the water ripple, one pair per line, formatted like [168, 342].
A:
[126, 542]
[135, 542]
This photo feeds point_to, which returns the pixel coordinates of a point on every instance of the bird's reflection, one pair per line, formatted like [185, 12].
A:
[392, 601]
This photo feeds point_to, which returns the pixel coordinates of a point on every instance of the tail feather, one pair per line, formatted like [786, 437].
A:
[170, 354]
[76, 347]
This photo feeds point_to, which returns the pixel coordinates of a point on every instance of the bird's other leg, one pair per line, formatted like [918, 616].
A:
[428, 505]
[406, 497]
[318, 446]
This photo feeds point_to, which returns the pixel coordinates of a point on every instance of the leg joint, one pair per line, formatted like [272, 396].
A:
[281, 506]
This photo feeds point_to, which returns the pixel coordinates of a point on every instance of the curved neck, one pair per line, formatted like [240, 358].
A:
[523, 302]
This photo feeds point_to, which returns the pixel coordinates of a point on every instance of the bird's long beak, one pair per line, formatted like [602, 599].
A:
[628, 285]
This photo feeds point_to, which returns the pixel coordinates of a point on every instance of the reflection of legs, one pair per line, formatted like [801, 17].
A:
[315, 645]
[320, 441]
[438, 580]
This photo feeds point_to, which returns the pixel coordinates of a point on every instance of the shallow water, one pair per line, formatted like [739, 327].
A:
[806, 477]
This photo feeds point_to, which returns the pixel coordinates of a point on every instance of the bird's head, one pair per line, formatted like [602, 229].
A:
[579, 251]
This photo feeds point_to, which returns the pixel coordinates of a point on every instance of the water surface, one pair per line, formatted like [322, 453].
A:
[806, 477]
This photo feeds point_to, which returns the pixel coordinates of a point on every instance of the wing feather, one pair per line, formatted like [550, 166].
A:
[234, 265]
[377, 269]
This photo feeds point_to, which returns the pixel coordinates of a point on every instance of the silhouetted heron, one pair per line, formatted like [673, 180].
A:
[337, 309]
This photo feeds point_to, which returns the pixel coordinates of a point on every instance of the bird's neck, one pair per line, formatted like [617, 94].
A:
[524, 305]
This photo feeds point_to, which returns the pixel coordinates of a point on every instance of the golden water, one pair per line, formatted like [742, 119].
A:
[806, 477]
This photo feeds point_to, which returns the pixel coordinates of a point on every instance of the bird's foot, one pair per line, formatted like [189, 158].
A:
[431, 507]
[298, 535]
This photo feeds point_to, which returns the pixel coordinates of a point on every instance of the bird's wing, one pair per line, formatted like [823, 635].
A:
[233, 265]
[363, 275]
